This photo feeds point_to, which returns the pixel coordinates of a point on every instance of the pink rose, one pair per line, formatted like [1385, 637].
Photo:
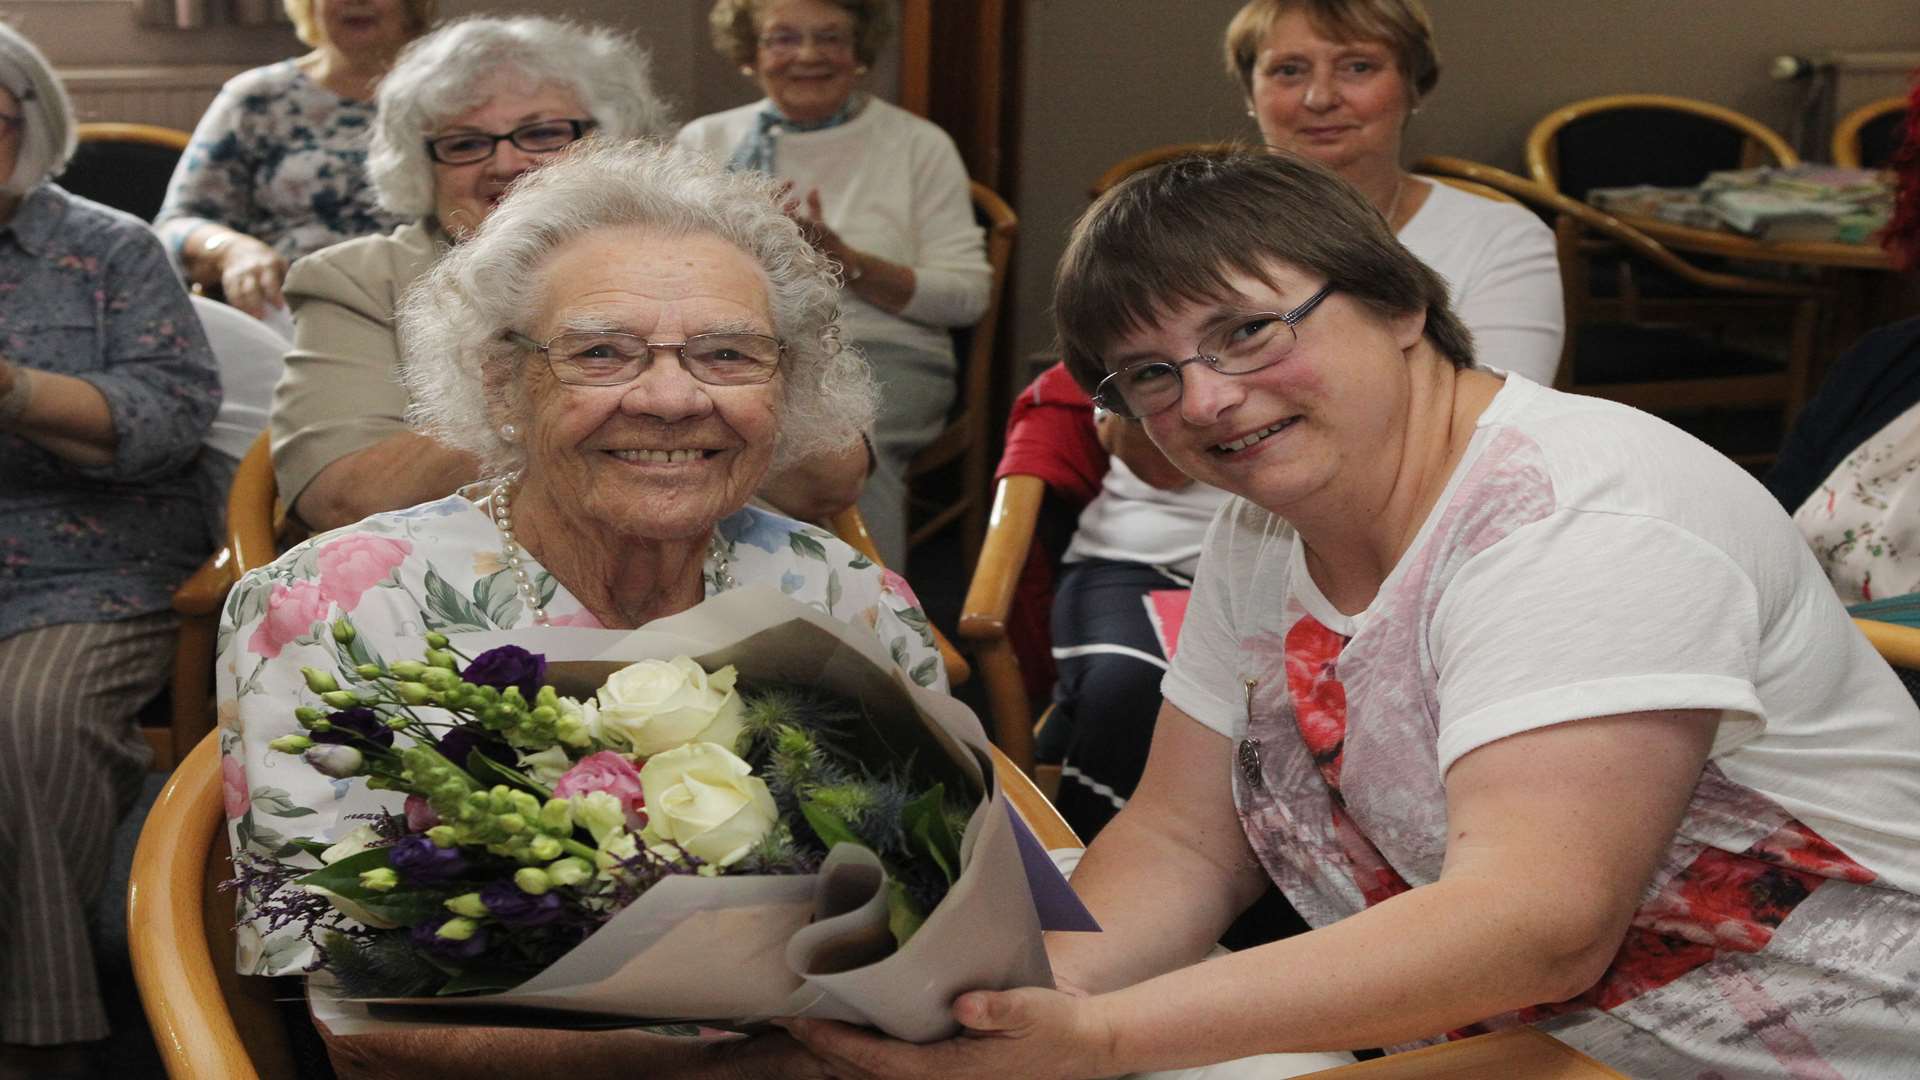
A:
[291, 612]
[233, 784]
[609, 772]
[351, 565]
[420, 816]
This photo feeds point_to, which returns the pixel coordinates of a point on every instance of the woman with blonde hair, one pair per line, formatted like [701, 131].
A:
[277, 166]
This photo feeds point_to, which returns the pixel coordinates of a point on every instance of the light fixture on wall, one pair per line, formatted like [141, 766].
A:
[1819, 75]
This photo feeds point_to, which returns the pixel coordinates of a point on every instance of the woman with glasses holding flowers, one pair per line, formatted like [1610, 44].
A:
[881, 191]
[1535, 707]
[625, 347]
[106, 391]
[276, 167]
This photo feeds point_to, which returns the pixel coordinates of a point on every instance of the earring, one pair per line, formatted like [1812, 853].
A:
[1250, 112]
[860, 69]
[746, 70]
[509, 433]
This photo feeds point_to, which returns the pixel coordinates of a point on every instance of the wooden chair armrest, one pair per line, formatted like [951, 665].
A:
[1003, 554]
[203, 593]
[180, 986]
[1898, 645]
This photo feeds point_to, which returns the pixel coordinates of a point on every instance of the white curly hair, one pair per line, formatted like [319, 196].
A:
[453, 69]
[451, 320]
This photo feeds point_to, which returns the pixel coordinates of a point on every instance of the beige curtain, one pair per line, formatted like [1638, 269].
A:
[194, 14]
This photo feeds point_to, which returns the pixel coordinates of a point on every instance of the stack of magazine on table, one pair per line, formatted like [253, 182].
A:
[1801, 203]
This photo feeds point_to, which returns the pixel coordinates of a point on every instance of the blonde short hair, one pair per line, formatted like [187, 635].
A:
[1403, 26]
[420, 13]
[736, 27]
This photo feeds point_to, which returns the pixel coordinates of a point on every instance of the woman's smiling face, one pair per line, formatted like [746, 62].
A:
[1291, 431]
[1337, 102]
[664, 456]
[805, 61]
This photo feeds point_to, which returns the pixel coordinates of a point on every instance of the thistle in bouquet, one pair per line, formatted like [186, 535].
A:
[531, 817]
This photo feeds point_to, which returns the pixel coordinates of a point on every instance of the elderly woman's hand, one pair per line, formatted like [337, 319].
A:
[250, 274]
[1033, 1034]
[807, 213]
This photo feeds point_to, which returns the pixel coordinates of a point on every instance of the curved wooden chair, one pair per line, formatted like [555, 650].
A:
[125, 166]
[212, 1024]
[1898, 645]
[1146, 159]
[1625, 139]
[1867, 137]
[1651, 366]
[968, 436]
[988, 610]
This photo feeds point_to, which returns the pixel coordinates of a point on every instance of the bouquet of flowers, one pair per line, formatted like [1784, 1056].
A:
[784, 832]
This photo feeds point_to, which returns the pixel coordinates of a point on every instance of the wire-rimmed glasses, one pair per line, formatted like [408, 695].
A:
[615, 358]
[1242, 344]
[788, 42]
[539, 137]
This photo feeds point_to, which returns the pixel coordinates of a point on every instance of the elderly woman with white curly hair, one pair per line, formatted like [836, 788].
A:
[626, 346]
[464, 111]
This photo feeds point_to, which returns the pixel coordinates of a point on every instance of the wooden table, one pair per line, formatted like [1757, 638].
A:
[1733, 245]
[1514, 1054]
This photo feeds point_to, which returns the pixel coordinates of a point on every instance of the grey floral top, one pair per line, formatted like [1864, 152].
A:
[438, 566]
[281, 158]
[86, 291]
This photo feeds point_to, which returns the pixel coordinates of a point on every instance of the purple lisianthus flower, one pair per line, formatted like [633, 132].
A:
[517, 909]
[458, 743]
[427, 936]
[508, 665]
[354, 725]
[419, 861]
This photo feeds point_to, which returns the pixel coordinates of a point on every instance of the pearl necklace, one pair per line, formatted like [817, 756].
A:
[718, 572]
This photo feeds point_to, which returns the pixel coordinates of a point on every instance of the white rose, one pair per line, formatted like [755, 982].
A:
[599, 813]
[656, 705]
[706, 801]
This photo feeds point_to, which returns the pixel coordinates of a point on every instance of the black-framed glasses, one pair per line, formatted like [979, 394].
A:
[539, 137]
[614, 358]
[1242, 344]
[787, 42]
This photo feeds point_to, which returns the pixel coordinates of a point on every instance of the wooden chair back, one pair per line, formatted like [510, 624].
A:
[968, 436]
[1576, 226]
[1147, 159]
[1624, 139]
[208, 1022]
[1867, 137]
[125, 166]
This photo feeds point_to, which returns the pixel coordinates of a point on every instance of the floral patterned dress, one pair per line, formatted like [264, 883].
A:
[1861, 521]
[438, 566]
[280, 158]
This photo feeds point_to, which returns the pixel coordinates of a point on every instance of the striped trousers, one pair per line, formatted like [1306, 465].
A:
[70, 765]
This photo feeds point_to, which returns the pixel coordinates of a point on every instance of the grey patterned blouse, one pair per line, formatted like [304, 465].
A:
[280, 158]
[86, 291]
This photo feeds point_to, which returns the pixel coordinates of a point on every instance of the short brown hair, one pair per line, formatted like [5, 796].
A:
[1175, 233]
[1402, 25]
[419, 12]
[736, 27]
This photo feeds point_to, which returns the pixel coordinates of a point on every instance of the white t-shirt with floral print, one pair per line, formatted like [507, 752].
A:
[438, 566]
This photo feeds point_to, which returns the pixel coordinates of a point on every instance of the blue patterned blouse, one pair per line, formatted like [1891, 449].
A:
[86, 291]
[282, 159]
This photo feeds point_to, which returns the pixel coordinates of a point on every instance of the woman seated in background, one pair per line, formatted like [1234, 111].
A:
[626, 346]
[1535, 706]
[881, 191]
[276, 169]
[465, 111]
[106, 390]
[1335, 81]
[1849, 472]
